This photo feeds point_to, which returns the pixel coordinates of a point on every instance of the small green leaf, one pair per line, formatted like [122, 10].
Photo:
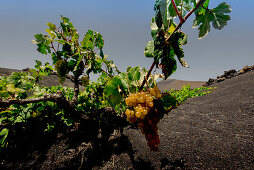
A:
[153, 25]
[51, 33]
[39, 38]
[51, 26]
[172, 26]
[65, 19]
[43, 48]
[3, 135]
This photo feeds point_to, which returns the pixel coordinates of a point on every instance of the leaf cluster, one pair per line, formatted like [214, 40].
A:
[168, 39]
[69, 55]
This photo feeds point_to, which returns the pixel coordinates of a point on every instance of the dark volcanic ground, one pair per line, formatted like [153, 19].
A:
[212, 131]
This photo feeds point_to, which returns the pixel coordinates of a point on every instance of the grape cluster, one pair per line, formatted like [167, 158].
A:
[61, 67]
[141, 110]
[149, 127]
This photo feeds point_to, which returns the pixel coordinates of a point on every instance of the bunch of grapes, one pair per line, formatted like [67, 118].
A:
[61, 67]
[141, 110]
[149, 127]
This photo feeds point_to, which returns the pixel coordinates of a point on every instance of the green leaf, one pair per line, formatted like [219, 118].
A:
[51, 26]
[112, 90]
[88, 40]
[67, 49]
[55, 58]
[65, 19]
[216, 16]
[51, 33]
[158, 18]
[42, 43]
[134, 74]
[153, 25]
[164, 11]
[159, 44]
[39, 39]
[99, 42]
[203, 21]
[222, 8]
[203, 8]
[172, 26]
[3, 135]
[178, 39]
[157, 5]
[220, 20]
[149, 49]
[101, 53]
[43, 48]
[168, 66]
[71, 65]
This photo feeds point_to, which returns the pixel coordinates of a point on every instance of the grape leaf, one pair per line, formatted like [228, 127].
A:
[153, 25]
[178, 39]
[168, 64]
[157, 5]
[112, 90]
[172, 26]
[203, 8]
[42, 43]
[158, 18]
[99, 42]
[134, 74]
[216, 16]
[220, 20]
[51, 33]
[51, 26]
[71, 65]
[88, 40]
[164, 11]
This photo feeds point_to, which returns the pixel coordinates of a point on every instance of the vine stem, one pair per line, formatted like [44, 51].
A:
[168, 38]
[180, 16]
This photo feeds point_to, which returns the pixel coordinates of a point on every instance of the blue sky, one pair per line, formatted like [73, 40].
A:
[125, 28]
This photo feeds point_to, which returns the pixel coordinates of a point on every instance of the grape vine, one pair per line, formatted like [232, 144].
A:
[133, 95]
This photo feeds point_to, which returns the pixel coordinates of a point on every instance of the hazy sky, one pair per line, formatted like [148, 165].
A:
[125, 28]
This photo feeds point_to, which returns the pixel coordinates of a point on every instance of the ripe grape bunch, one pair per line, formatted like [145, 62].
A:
[141, 110]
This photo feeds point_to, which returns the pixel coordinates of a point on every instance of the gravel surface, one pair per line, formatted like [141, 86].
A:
[212, 131]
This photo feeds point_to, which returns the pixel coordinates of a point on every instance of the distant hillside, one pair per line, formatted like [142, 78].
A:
[178, 84]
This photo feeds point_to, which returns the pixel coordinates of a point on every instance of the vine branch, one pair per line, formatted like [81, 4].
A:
[58, 97]
[168, 38]
[175, 7]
